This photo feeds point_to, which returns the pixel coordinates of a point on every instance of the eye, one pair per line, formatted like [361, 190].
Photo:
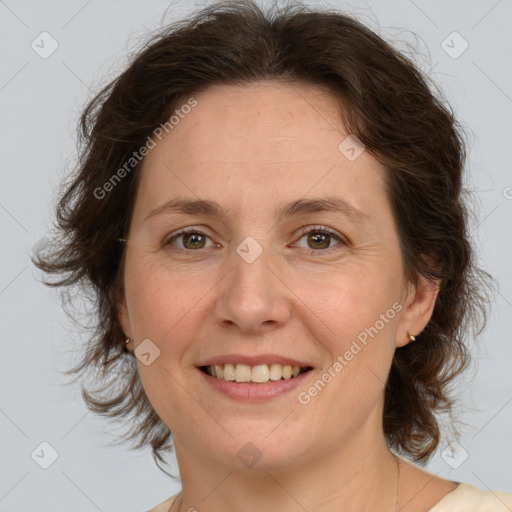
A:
[319, 238]
[192, 239]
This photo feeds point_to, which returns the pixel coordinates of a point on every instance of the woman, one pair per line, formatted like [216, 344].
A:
[268, 210]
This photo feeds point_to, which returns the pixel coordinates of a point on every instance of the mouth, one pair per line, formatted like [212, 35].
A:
[257, 374]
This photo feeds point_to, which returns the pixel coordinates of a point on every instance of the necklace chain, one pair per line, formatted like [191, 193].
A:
[397, 480]
[397, 462]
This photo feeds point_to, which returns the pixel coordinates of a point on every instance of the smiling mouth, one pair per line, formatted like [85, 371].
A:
[258, 374]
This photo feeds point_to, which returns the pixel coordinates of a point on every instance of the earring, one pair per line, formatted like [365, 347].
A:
[125, 348]
[412, 337]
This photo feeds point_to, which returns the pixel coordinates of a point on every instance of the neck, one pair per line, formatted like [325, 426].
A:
[360, 475]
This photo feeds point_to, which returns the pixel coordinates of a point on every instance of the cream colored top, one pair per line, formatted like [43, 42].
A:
[464, 498]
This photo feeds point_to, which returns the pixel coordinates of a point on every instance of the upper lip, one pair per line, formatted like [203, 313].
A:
[253, 360]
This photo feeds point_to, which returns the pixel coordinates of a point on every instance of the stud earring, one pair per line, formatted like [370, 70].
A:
[412, 337]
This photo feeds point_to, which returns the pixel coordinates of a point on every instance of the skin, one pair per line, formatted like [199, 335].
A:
[251, 149]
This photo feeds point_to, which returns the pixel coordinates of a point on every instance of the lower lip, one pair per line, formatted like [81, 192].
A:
[246, 392]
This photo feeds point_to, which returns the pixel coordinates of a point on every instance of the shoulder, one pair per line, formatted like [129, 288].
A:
[468, 498]
[464, 498]
[165, 505]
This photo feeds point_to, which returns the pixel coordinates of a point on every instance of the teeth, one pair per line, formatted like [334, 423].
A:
[219, 371]
[276, 372]
[242, 373]
[260, 374]
[229, 372]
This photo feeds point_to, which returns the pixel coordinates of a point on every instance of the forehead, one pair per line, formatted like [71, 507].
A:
[255, 142]
[269, 118]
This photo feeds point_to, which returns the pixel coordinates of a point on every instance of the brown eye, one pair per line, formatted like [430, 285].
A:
[190, 240]
[319, 239]
[193, 241]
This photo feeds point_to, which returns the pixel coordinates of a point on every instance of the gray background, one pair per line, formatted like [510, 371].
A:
[40, 99]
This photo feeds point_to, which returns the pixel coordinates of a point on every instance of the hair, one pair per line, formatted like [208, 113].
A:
[386, 102]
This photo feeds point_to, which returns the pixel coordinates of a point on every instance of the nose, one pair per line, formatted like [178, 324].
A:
[253, 296]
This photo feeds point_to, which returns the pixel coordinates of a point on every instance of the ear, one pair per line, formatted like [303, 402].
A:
[124, 320]
[418, 307]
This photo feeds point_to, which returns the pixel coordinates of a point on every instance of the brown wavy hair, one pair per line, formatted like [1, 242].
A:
[387, 102]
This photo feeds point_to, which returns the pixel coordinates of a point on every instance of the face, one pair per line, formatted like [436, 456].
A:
[266, 276]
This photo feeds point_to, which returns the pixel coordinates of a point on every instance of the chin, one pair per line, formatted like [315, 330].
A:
[264, 450]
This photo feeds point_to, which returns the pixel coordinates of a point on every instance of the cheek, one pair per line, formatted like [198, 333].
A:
[351, 301]
[362, 315]
[158, 299]
[163, 306]
[158, 303]
[361, 311]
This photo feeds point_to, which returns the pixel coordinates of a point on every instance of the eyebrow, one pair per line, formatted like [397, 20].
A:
[209, 208]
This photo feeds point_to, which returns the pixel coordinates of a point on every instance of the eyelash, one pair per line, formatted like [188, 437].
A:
[305, 230]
